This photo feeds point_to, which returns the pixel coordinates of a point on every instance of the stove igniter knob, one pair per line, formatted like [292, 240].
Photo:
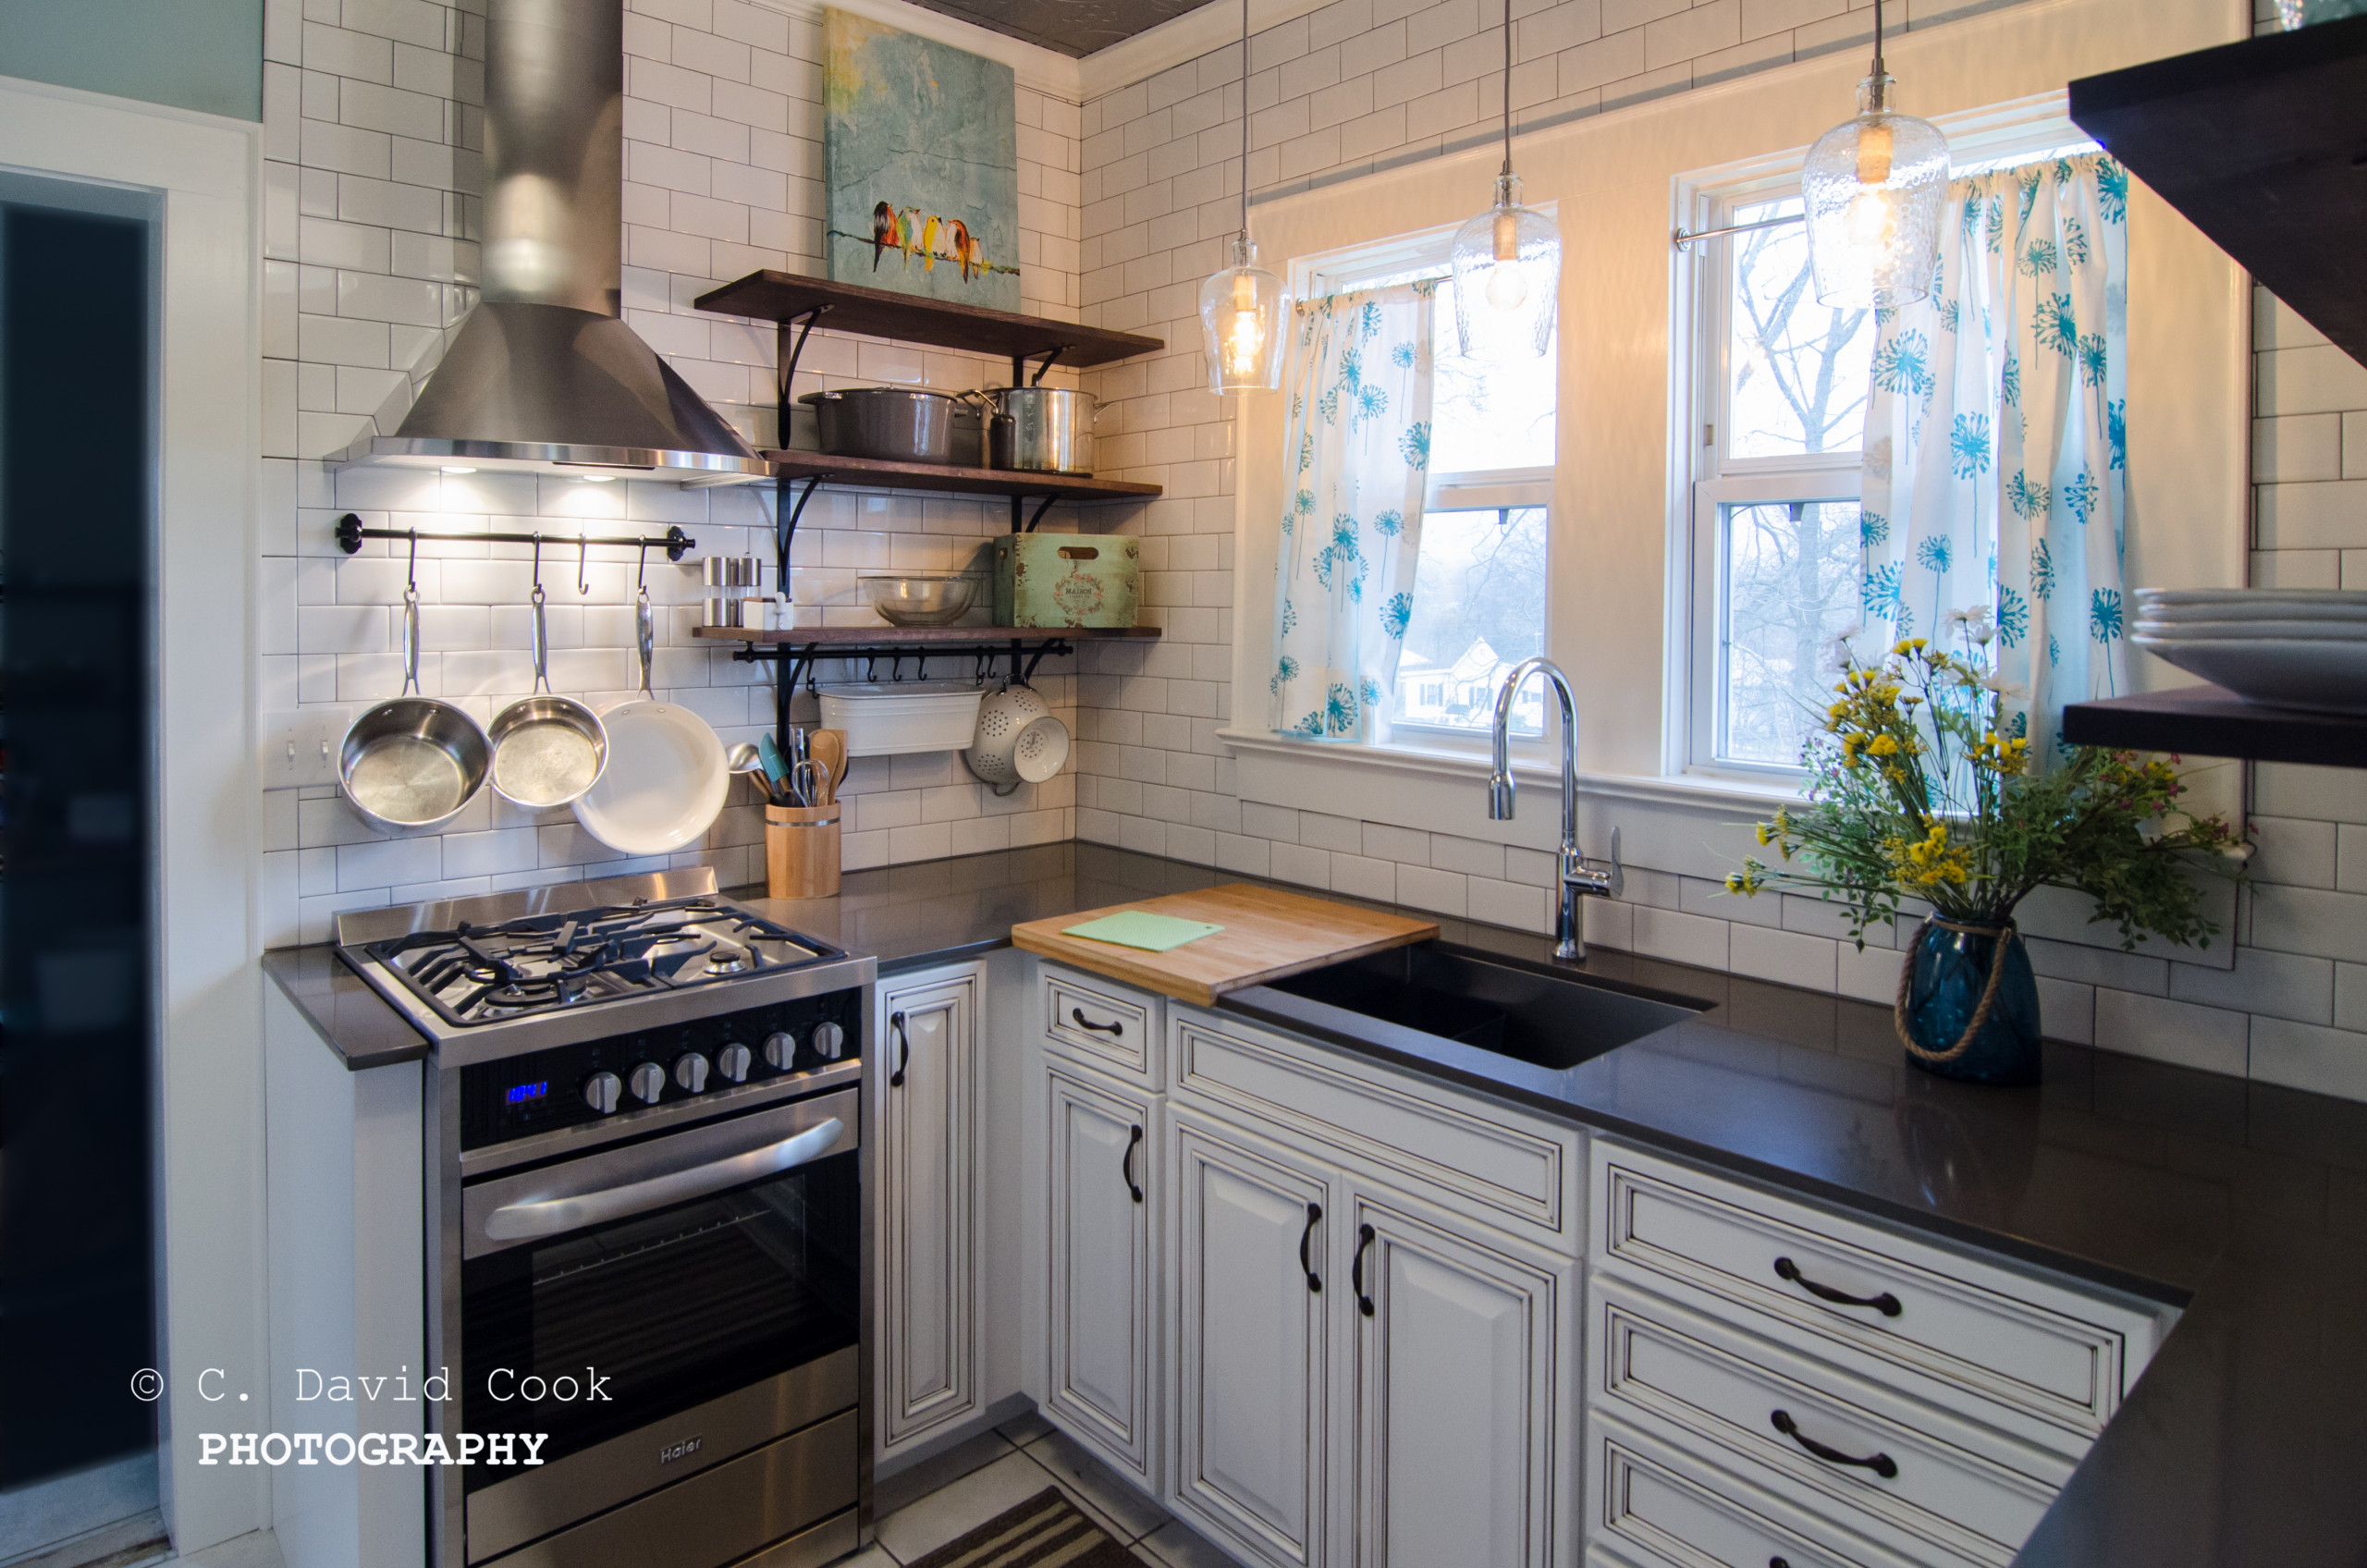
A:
[648, 1081]
[733, 1062]
[689, 1070]
[781, 1050]
[600, 1092]
[828, 1038]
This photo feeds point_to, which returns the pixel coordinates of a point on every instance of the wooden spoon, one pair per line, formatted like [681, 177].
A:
[829, 748]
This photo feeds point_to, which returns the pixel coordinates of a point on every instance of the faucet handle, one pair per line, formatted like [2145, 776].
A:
[1616, 887]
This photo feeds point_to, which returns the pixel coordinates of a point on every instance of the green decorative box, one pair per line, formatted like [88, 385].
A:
[1067, 580]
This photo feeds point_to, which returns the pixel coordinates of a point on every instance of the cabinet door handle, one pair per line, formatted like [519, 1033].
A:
[904, 1040]
[1126, 1164]
[1313, 1281]
[1777, 1562]
[1881, 1463]
[1886, 1304]
[1365, 1234]
[1113, 1030]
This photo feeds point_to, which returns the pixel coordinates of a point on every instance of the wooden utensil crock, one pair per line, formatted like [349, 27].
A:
[801, 852]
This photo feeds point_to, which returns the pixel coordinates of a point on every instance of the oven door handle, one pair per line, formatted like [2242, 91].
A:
[551, 1217]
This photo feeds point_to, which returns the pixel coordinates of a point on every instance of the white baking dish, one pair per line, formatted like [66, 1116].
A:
[889, 719]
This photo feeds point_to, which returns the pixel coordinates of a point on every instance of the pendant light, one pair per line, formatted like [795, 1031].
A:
[1872, 187]
[1507, 261]
[1241, 306]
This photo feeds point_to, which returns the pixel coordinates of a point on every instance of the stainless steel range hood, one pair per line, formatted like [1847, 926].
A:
[544, 376]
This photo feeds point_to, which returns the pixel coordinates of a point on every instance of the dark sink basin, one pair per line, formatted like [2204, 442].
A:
[1530, 1014]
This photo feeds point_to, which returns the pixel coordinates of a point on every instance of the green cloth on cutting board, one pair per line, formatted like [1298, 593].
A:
[1140, 928]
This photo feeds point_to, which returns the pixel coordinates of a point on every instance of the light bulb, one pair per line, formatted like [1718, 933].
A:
[1507, 286]
[1872, 222]
[1244, 293]
[1243, 343]
[1507, 234]
[1874, 153]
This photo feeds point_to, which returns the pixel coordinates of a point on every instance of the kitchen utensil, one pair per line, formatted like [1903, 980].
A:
[801, 852]
[830, 751]
[1041, 429]
[809, 783]
[1046, 580]
[666, 781]
[2315, 675]
[889, 719]
[1043, 747]
[993, 746]
[899, 424]
[920, 598]
[742, 758]
[774, 765]
[412, 762]
[546, 749]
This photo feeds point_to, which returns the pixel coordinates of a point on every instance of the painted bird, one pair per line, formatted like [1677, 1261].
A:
[928, 244]
[883, 231]
[966, 249]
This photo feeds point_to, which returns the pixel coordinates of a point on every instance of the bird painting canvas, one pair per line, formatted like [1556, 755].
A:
[920, 151]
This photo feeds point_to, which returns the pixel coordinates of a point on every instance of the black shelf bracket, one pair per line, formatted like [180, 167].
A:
[786, 534]
[349, 534]
[1018, 505]
[786, 354]
[796, 662]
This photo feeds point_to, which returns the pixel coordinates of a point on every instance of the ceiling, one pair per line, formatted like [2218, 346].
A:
[1071, 27]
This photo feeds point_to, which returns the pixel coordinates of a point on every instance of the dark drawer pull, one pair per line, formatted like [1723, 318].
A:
[1777, 1562]
[1886, 1304]
[904, 1043]
[1313, 1281]
[1112, 1030]
[1880, 1464]
[1365, 1234]
[1126, 1164]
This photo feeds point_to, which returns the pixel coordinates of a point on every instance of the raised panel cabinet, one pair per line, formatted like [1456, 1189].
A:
[1249, 1268]
[923, 1087]
[1461, 1405]
[1102, 1316]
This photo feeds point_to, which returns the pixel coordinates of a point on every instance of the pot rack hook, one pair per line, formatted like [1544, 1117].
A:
[924, 668]
[870, 668]
[411, 584]
[538, 561]
[582, 559]
[641, 577]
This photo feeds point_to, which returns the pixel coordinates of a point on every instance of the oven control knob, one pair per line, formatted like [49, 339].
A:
[648, 1081]
[781, 1050]
[732, 1061]
[600, 1092]
[828, 1038]
[689, 1070]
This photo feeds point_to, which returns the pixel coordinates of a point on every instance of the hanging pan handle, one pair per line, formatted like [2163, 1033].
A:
[644, 634]
[541, 643]
[410, 640]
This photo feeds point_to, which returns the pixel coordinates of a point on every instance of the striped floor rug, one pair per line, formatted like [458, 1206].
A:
[1046, 1531]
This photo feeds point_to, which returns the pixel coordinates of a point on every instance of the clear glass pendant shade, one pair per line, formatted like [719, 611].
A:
[1241, 316]
[1507, 277]
[1872, 187]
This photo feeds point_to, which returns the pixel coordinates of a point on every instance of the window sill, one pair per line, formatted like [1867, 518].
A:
[1446, 763]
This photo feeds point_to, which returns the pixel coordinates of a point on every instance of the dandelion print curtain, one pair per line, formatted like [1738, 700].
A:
[1995, 452]
[1360, 379]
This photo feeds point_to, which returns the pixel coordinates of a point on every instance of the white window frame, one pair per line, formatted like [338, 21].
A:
[1341, 271]
[1704, 478]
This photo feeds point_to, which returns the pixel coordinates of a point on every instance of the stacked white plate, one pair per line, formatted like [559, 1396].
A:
[2289, 648]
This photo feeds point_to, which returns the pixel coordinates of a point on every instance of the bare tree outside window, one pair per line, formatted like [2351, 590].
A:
[1797, 371]
[1792, 588]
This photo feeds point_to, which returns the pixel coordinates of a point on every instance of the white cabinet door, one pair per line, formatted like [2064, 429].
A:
[1249, 1269]
[1461, 1407]
[1103, 1353]
[923, 1081]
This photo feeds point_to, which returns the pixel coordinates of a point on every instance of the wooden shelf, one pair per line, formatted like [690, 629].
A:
[877, 312]
[884, 635]
[2258, 144]
[882, 473]
[2211, 722]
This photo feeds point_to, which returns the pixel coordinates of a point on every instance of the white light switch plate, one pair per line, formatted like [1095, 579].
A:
[299, 745]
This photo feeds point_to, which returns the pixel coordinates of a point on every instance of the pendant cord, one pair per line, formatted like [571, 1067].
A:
[1508, 86]
[1244, 116]
[1881, 98]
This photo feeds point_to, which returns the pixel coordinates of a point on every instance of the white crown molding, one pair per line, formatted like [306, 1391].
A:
[1188, 37]
[1038, 70]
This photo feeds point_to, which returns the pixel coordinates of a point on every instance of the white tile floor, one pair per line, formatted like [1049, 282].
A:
[946, 1497]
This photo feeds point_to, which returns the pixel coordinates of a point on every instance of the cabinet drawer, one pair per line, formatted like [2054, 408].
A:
[1847, 1447]
[2062, 1356]
[1113, 1027]
[1472, 1156]
[1656, 1504]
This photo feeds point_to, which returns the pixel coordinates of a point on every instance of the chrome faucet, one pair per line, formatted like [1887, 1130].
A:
[1577, 880]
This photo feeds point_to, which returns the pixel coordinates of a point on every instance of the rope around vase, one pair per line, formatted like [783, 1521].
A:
[2004, 936]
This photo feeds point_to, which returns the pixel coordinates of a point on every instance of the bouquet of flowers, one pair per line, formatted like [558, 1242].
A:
[1920, 789]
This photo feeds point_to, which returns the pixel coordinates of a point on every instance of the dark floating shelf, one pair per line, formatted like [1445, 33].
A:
[877, 313]
[918, 637]
[881, 474]
[2211, 722]
[2259, 145]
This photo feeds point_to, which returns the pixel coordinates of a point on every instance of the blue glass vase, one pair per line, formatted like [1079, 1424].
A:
[1951, 972]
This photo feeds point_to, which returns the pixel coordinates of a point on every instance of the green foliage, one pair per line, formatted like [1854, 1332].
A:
[1916, 792]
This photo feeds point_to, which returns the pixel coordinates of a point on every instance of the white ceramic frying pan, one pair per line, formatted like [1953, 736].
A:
[665, 778]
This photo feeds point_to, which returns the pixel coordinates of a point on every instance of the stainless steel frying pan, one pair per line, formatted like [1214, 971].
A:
[546, 749]
[414, 761]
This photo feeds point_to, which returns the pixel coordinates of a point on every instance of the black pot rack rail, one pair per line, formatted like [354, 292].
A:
[349, 534]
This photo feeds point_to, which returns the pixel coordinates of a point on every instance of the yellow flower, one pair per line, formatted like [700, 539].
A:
[1885, 746]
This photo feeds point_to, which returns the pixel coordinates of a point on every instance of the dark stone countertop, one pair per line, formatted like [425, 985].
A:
[2245, 1443]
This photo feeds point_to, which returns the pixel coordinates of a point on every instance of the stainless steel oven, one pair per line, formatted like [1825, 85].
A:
[651, 1249]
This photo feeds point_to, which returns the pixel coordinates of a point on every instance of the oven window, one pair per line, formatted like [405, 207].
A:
[648, 1317]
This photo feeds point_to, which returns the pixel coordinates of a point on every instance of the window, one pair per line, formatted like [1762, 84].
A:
[1479, 582]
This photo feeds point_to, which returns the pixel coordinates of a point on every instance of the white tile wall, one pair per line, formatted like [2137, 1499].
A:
[373, 134]
[1364, 84]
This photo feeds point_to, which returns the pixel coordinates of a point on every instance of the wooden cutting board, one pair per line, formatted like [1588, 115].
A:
[1267, 934]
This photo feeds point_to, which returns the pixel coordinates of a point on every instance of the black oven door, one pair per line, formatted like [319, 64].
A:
[660, 1308]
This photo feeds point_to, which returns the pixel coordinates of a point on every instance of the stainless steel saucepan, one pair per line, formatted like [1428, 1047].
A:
[414, 761]
[546, 749]
[1041, 429]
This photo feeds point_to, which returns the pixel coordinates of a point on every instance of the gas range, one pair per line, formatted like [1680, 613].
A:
[504, 973]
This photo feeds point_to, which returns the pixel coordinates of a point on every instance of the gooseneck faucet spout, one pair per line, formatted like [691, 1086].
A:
[1578, 879]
